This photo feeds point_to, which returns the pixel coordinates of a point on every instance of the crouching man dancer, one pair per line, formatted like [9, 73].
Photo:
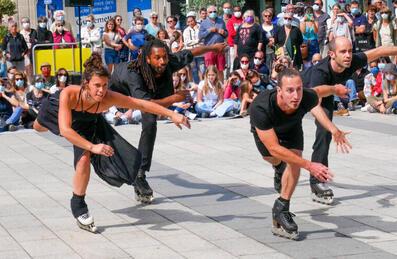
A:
[276, 120]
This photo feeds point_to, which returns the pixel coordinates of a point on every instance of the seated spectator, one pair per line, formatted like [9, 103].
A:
[187, 83]
[247, 96]
[175, 42]
[257, 84]
[372, 85]
[7, 122]
[316, 58]
[244, 66]
[62, 81]
[232, 86]
[259, 64]
[91, 35]
[19, 101]
[118, 117]
[358, 79]
[11, 74]
[210, 102]
[3, 66]
[34, 100]
[384, 104]
[62, 36]
[14, 47]
[136, 38]
[44, 36]
[124, 52]
[49, 80]
[111, 44]
[59, 16]
[163, 36]
[184, 107]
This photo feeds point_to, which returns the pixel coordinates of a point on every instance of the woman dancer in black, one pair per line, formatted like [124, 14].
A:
[75, 113]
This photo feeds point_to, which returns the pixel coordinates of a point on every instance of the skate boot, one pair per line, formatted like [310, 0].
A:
[86, 222]
[278, 175]
[143, 192]
[283, 224]
[322, 193]
[80, 212]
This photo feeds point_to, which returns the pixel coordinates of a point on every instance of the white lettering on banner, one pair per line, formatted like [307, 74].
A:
[102, 10]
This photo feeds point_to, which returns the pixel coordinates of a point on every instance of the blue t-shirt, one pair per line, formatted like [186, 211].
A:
[137, 39]
[360, 20]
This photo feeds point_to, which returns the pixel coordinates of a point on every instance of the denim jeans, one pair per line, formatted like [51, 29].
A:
[197, 65]
[351, 85]
[227, 106]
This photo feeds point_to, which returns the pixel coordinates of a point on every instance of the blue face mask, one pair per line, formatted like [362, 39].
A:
[39, 85]
[375, 71]
[212, 16]
[381, 66]
[355, 11]
[2, 88]
[19, 83]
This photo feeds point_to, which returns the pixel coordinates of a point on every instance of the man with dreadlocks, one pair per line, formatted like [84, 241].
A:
[149, 77]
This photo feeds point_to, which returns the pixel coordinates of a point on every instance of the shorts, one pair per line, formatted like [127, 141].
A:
[217, 59]
[111, 56]
[293, 140]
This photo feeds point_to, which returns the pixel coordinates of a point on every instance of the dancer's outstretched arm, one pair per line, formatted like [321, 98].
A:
[382, 51]
[327, 90]
[217, 47]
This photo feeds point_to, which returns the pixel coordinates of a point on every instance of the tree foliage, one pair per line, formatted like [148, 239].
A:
[195, 5]
[7, 7]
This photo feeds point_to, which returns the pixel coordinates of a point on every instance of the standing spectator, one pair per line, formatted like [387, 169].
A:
[30, 36]
[191, 40]
[124, 52]
[62, 36]
[48, 79]
[6, 111]
[360, 23]
[91, 36]
[171, 28]
[59, 16]
[213, 30]
[371, 19]
[289, 38]
[137, 12]
[232, 26]
[62, 81]
[385, 30]
[203, 15]
[341, 25]
[321, 18]
[309, 29]
[268, 31]
[111, 44]
[136, 37]
[44, 36]
[290, 9]
[14, 47]
[227, 11]
[154, 25]
[3, 66]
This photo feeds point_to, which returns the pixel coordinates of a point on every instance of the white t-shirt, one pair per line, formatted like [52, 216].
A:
[211, 98]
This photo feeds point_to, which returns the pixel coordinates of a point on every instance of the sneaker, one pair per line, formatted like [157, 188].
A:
[342, 112]
[116, 121]
[389, 110]
[12, 127]
[350, 106]
[190, 115]
[230, 114]
[365, 108]
[204, 115]
[340, 106]
[212, 114]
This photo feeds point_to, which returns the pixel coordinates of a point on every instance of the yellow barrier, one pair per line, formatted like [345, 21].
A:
[68, 58]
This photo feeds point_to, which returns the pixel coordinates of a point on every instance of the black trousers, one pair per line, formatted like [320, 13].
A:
[148, 137]
[323, 140]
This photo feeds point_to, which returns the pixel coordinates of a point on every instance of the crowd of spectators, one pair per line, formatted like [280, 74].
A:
[221, 84]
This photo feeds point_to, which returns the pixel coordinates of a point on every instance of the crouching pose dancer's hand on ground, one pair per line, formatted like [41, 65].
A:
[276, 119]
[75, 113]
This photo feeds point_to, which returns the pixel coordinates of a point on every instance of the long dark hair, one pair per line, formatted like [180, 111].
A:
[140, 65]
[94, 66]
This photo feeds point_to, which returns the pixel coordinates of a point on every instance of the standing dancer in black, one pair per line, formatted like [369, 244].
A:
[149, 77]
[337, 68]
[76, 114]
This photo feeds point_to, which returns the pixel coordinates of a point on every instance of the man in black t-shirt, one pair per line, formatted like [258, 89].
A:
[337, 68]
[276, 120]
[149, 77]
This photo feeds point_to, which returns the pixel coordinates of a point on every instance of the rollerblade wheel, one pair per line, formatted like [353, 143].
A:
[145, 199]
[90, 228]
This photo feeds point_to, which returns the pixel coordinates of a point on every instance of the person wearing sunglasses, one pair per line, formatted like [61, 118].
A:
[268, 31]
[62, 81]
[212, 31]
[154, 25]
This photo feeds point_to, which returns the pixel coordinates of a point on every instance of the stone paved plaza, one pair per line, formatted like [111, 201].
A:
[213, 198]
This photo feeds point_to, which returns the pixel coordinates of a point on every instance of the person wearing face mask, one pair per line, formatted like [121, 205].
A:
[258, 85]
[90, 35]
[342, 26]
[212, 31]
[385, 30]
[136, 37]
[384, 103]
[321, 18]
[289, 9]
[232, 26]
[289, 39]
[62, 36]
[6, 108]
[232, 86]
[48, 79]
[14, 47]
[30, 36]
[258, 63]
[244, 66]
[59, 16]
[62, 81]
[34, 99]
[309, 29]
[19, 101]
[227, 11]
[361, 28]
[44, 36]
[137, 12]
[372, 85]
[248, 39]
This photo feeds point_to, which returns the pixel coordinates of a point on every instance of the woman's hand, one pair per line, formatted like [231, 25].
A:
[179, 119]
[102, 149]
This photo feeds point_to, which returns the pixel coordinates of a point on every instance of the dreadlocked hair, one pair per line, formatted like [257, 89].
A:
[140, 65]
[94, 66]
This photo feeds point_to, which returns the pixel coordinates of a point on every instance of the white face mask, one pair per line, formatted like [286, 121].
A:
[26, 26]
[316, 7]
[138, 27]
[390, 77]
[42, 25]
[243, 66]
[62, 79]
[237, 14]
[385, 16]
[257, 61]
[340, 19]
[60, 18]
[183, 78]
